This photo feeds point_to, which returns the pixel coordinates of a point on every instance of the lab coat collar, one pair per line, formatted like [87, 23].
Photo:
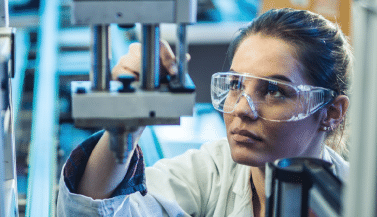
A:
[242, 190]
[242, 185]
[326, 157]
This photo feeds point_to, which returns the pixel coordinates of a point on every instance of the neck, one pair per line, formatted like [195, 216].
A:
[259, 196]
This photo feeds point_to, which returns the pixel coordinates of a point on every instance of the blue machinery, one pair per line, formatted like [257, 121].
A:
[360, 190]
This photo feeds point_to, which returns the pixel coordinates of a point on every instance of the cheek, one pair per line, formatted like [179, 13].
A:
[281, 140]
[292, 138]
[227, 120]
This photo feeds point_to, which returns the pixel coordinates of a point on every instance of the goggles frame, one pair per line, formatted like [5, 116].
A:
[314, 97]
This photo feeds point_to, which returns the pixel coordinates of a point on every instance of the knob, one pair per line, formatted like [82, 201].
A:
[126, 81]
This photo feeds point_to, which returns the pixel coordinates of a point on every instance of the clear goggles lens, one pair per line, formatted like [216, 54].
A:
[267, 98]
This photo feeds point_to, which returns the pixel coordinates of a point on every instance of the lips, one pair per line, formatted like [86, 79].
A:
[245, 136]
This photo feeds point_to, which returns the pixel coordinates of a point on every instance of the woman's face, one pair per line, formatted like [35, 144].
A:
[254, 141]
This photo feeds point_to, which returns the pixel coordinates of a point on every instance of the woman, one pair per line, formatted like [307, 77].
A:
[284, 95]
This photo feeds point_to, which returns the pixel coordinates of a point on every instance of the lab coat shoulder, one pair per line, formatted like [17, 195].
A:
[196, 180]
[341, 167]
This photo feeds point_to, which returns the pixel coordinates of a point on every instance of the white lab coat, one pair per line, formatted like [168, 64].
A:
[205, 182]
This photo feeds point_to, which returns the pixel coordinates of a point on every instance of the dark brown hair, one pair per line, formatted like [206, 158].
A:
[321, 48]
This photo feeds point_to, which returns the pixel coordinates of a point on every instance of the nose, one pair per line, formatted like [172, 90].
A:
[245, 107]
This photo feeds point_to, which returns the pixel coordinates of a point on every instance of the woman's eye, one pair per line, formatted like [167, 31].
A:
[274, 91]
[234, 85]
[276, 94]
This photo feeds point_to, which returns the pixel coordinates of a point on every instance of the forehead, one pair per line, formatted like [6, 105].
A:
[264, 56]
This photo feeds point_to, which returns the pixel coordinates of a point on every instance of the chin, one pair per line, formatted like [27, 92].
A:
[242, 155]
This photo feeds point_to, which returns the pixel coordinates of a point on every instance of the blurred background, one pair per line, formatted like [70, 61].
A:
[218, 22]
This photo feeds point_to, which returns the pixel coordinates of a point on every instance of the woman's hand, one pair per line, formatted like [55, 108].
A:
[131, 62]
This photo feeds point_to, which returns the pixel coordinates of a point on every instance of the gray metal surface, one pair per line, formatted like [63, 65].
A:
[110, 123]
[128, 12]
[150, 57]
[181, 50]
[101, 12]
[7, 134]
[122, 142]
[4, 57]
[186, 11]
[360, 197]
[4, 13]
[8, 180]
[100, 74]
[318, 203]
[291, 200]
[140, 104]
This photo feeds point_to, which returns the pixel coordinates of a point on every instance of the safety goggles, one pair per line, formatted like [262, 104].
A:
[268, 99]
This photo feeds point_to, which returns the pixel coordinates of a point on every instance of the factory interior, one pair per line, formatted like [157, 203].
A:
[50, 49]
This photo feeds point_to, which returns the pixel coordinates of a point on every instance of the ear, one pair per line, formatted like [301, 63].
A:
[335, 112]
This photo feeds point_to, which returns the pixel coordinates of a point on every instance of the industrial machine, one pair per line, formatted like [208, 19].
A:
[4, 14]
[361, 187]
[124, 105]
[302, 187]
[120, 106]
[8, 178]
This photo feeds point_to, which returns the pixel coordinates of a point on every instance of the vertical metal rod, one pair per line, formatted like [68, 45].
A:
[3, 207]
[181, 50]
[150, 56]
[360, 194]
[4, 13]
[270, 189]
[121, 143]
[100, 52]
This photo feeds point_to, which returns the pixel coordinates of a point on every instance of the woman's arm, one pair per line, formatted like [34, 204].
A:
[103, 174]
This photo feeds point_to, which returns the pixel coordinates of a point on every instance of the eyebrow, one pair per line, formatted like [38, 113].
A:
[280, 77]
[276, 77]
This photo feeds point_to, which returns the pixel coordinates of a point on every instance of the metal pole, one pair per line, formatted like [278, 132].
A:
[4, 13]
[121, 142]
[181, 50]
[3, 71]
[150, 57]
[100, 74]
[360, 195]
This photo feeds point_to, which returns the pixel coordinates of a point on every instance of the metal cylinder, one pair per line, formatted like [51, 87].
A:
[181, 50]
[150, 57]
[287, 186]
[100, 52]
[121, 143]
[4, 88]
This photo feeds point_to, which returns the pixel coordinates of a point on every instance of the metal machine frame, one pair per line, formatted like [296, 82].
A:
[8, 177]
[4, 13]
[121, 107]
[299, 186]
[361, 188]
